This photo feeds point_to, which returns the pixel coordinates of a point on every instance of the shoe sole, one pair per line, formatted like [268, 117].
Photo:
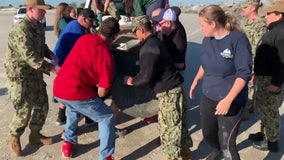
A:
[60, 123]
[259, 148]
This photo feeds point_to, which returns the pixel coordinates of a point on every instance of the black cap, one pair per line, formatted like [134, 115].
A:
[88, 13]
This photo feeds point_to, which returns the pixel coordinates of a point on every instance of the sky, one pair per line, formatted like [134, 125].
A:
[16, 3]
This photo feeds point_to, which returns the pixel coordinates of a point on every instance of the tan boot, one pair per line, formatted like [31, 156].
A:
[37, 138]
[15, 146]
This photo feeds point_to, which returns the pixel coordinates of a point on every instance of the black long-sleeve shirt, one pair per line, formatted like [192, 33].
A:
[156, 67]
[269, 59]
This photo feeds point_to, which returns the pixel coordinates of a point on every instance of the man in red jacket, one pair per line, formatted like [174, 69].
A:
[89, 65]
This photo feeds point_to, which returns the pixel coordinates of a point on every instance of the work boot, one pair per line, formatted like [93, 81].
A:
[15, 146]
[260, 145]
[186, 154]
[37, 138]
[266, 145]
[273, 146]
[259, 136]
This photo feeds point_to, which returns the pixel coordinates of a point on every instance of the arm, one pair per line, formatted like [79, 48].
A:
[243, 68]
[102, 91]
[31, 54]
[278, 68]
[180, 42]
[199, 76]
[106, 5]
[225, 104]
[96, 7]
[148, 62]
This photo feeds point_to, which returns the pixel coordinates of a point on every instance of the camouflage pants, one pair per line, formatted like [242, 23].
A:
[172, 121]
[30, 100]
[268, 108]
[250, 102]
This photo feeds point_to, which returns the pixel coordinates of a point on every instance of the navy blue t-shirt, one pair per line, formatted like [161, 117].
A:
[224, 60]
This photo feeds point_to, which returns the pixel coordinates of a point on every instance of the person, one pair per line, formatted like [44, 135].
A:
[62, 17]
[254, 28]
[269, 71]
[173, 34]
[72, 32]
[158, 72]
[25, 65]
[225, 69]
[73, 13]
[101, 9]
[144, 7]
[88, 67]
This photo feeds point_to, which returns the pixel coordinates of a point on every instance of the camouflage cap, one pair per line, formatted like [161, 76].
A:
[139, 21]
[276, 6]
[250, 3]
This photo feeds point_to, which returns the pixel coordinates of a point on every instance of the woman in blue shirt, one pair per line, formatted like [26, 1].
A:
[225, 69]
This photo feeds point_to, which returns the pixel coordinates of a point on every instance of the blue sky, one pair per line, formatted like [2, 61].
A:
[55, 2]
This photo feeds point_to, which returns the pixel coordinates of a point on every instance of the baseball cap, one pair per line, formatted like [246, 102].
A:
[88, 13]
[276, 6]
[250, 3]
[36, 3]
[139, 21]
[168, 14]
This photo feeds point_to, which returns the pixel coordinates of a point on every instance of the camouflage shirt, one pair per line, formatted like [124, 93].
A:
[26, 51]
[254, 31]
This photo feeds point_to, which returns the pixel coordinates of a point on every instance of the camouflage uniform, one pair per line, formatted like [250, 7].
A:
[172, 120]
[268, 109]
[25, 66]
[254, 31]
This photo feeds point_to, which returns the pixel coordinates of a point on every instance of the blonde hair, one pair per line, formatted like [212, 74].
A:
[61, 11]
[214, 13]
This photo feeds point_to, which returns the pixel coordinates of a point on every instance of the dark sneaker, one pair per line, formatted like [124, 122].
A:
[66, 149]
[61, 118]
[260, 145]
[273, 146]
[214, 154]
[259, 136]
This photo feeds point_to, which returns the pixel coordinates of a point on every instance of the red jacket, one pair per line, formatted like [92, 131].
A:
[89, 64]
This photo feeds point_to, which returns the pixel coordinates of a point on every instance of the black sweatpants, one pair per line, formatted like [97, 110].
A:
[220, 131]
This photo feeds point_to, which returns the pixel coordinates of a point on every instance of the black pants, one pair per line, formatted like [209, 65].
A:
[220, 131]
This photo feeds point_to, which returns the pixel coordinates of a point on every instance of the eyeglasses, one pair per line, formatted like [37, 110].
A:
[161, 23]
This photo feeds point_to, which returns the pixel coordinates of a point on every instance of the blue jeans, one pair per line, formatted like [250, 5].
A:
[96, 110]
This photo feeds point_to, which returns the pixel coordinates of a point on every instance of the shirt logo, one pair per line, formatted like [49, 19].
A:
[226, 53]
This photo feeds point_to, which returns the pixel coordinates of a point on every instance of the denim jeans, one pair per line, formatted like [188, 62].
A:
[96, 110]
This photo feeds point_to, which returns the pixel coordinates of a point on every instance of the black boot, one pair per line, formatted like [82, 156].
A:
[273, 146]
[61, 117]
[259, 136]
[260, 145]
